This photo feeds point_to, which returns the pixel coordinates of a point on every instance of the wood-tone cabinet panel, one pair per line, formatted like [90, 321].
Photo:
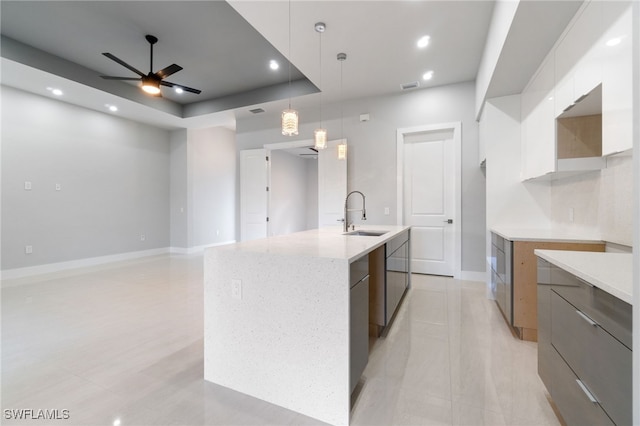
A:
[525, 284]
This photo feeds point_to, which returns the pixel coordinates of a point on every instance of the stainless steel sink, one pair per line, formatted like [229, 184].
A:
[365, 233]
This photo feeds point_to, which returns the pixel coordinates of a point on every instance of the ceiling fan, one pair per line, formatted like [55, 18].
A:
[150, 82]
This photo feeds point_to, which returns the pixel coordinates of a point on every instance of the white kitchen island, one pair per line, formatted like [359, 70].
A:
[277, 318]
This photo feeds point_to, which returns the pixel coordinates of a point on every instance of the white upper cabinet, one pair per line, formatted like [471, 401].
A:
[577, 66]
[617, 96]
[591, 61]
[538, 126]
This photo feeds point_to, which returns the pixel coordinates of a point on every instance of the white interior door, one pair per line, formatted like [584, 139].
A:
[332, 185]
[253, 194]
[429, 199]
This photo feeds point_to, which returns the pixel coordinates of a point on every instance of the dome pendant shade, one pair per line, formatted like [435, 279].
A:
[320, 138]
[289, 122]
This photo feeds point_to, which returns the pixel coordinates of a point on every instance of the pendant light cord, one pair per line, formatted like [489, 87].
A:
[320, 55]
[341, 105]
[289, 54]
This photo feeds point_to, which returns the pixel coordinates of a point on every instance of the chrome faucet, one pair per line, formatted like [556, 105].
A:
[346, 210]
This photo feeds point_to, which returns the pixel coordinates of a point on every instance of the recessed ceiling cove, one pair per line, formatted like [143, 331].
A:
[219, 52]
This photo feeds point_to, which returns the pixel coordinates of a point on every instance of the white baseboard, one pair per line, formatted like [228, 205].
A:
[48, 268]
[196, 249]
[473, 276]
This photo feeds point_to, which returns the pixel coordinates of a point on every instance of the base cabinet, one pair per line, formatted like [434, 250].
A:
[389, 267]
[358, 320]
[514, 282]
[584, 349]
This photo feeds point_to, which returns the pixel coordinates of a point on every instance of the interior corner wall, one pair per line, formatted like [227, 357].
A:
[510, 202]
[178, 189]
[113, 176]
[372, 150]
[211, 182]
[287, 193]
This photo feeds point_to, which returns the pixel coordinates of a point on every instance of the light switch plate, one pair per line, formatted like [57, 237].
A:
[27, 185]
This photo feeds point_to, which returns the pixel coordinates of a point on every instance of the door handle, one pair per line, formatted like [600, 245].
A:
[448, 221]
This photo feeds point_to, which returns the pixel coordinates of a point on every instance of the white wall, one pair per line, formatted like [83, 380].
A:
[179, 200]
[114, 177]
[312, 194]
[372, 150]
[211, 181]
[288, 193]
[501, 20]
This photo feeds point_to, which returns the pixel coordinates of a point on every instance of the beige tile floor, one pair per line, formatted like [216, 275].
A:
[123, 343]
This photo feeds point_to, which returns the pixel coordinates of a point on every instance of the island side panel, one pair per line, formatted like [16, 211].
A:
[286, 341]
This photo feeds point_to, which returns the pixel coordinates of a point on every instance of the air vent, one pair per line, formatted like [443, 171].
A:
[256, 110]
[412, 85]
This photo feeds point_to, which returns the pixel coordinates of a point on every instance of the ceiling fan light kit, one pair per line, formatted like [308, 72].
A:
[150, 85]
[151, 82]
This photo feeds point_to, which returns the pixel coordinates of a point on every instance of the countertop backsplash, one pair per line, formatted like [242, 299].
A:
[601, 202]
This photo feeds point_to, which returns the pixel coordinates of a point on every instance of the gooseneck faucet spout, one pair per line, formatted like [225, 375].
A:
[346, 210]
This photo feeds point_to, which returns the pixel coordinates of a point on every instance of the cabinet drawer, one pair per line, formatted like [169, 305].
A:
[396, 243]
[613, 314]
[497, 241]
[596, 357]
[358, 270]
[572, 401]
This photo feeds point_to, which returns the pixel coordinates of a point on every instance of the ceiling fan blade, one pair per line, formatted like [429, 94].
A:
[185, 88]
[110, 77]
[166, 72]
[123, 63]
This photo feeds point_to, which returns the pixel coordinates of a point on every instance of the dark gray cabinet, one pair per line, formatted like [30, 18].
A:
[358, 319]
[396, 273]
[501, 276]
[584, 348]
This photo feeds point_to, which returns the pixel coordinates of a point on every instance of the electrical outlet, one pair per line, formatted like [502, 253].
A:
[143, 237]
[58, 187]
[386, 211]
[28, 249]
[236, 289]
[27, 185]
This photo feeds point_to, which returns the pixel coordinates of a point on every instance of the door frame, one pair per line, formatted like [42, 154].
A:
[456, 126]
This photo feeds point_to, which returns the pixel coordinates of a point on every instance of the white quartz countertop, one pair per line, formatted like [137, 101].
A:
[611, 272]
[329, 242]
[551, 235]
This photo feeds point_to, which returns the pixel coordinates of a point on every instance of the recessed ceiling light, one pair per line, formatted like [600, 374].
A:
[614, 41]
[54, 91]
[179, 90]
[273, 64]
[427, 75]
[111, 108]
[116, 422]
[423, 41]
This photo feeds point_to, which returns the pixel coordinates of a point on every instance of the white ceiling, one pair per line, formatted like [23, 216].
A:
[224, 49]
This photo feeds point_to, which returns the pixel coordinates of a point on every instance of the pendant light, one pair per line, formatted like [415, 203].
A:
[320, 134]
[342, 147]
[289, 116]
